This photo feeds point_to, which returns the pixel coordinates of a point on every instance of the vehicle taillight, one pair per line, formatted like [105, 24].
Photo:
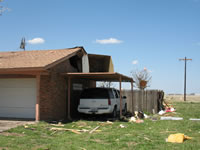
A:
[109, 102]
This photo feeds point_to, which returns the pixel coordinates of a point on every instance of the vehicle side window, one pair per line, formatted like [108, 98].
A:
[110, 94]
[116, 94]
[95, 93]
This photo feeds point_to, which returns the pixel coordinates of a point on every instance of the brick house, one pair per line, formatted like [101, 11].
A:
[33, 84]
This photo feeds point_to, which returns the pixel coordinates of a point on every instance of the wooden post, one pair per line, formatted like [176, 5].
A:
[69, 97]
[132, 96]
[37, 106]
[120, 88]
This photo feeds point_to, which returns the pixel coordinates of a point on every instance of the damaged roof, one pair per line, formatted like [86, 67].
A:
[36, 58]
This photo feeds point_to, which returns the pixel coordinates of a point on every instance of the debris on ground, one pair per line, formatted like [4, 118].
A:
[161, 112]
[153, 118]
[170, 109]
[171, 118]
[109, 122]
[146, 116]
[27, 127]
[82, 148]
[194, 119]
[106, 123]
[58, 125]
[121, 126]
[94, 129]
[167, 108]
[72, 130]
[177, 138]
[139, 114]
[136, 120]
[132, 119]
[139, 121]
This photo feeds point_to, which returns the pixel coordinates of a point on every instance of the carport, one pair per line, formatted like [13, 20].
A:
[99, 76]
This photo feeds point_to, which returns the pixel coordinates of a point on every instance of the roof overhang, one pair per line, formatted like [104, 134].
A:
[79, 53]
[24, 71]
[100, 76]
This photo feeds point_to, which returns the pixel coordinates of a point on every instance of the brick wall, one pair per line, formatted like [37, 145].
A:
[53, 92]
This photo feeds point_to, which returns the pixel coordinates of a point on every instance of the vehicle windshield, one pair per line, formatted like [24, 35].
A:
[95, 93]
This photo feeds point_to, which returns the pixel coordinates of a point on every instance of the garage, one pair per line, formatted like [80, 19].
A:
[17, 97]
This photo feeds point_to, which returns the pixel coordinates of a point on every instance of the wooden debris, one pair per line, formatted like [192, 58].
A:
[53, 132]
[106, 123]
[63, 129]
[27, 127]
[58, 125]
[121, 126]
[72, 130]
[94, 129]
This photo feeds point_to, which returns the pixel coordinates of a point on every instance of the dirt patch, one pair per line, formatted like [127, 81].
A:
[180, 98]
[11, 134]
[8, 124]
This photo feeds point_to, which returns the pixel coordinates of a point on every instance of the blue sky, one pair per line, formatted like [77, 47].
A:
[153, 33]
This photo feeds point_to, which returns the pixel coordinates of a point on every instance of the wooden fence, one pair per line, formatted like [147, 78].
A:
[144, 100]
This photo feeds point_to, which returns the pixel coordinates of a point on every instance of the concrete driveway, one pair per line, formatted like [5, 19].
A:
[8, 124]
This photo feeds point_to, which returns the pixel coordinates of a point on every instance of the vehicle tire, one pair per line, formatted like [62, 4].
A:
[125, 110]
[114, 113]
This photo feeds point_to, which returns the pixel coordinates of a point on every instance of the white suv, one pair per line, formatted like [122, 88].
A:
[101, 101]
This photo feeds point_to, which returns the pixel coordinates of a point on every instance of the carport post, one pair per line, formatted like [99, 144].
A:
[120, 88]
[37, 105]
[69, 96]
[132, 96]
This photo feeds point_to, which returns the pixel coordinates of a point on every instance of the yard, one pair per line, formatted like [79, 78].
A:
[148, 135]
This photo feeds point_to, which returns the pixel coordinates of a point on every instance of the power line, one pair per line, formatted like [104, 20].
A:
[185, 59]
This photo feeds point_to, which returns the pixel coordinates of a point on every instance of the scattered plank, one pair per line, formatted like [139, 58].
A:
[58, 125]
[94, 129]
[63, 129]
[72, 130]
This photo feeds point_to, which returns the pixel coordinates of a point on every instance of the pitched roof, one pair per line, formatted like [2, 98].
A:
[35, 58]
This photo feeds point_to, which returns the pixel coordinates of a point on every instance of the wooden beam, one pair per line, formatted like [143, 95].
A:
[16, 76]
[120, 88]
[69, 97]
[37, 106]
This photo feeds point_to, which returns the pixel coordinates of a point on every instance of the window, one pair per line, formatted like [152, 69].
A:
[97, 93]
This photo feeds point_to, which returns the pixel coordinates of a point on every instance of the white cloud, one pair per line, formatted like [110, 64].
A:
[36, 41]
[109, 41]
[135, 62]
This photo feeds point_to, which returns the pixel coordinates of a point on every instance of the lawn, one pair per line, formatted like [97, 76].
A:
[147, 135]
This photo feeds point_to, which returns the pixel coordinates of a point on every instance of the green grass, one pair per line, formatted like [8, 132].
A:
[147, 135]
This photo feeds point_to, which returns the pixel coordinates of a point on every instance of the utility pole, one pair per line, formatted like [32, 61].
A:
[185, 59]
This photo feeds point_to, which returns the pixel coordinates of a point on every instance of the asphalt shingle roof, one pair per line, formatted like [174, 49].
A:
[34, 59]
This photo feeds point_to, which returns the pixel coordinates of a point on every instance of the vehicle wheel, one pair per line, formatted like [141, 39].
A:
[125, 110]
[114, 113]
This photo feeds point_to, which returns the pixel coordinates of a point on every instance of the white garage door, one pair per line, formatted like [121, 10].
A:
[17, 98]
